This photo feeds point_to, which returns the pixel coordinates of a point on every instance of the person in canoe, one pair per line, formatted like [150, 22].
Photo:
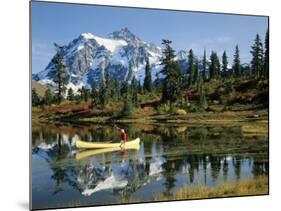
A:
[123, 135]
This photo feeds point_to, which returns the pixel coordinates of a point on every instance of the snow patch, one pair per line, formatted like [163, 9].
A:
[80, 47]
[110, 44]
[46, 146]
[109, 183]
[88, 35]
[117, 59]
[47, 82]
[155, 166]
[74, 87]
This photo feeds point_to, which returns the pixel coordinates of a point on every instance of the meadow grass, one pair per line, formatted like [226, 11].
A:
[245, 187]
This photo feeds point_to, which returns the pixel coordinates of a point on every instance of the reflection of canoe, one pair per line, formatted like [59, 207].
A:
[100, 145]
[86, 153]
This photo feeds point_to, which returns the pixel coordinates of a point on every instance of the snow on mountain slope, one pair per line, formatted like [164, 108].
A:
[109, 44]
[88, 57]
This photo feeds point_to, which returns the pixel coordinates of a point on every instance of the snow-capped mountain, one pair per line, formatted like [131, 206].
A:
[88, 57]
[121, 54]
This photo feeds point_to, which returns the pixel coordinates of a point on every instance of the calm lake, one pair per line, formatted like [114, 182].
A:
[169, 157]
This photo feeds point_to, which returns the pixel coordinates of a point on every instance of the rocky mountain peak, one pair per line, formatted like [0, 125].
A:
[124, 34]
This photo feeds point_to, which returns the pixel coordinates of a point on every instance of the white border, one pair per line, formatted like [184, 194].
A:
[14, 91]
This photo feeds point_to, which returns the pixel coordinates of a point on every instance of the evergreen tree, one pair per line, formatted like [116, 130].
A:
[158, 83]
[134, 89]
[196, 73]
[214, 66]
[127, 99]
[171, 71]
[60, 72]
[191, 68]
[204, 71]
[70, 94]
[139, 87]
[110, 89]
[95, 96]
[236, 62]
[128, 107]
[224, 64]
[202, 102]
[115, 90]
[266, 55]
[48, 97]
[35, 98]
[124, 88]
[84, 93]
[147, 85]
[257, 57]
[102, 95]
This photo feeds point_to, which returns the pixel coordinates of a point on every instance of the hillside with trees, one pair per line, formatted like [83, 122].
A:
[211, 89]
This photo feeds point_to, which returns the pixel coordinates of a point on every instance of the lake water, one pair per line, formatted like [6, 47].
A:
[169, 157]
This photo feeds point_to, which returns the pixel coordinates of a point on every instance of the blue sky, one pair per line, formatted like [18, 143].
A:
[61, 23]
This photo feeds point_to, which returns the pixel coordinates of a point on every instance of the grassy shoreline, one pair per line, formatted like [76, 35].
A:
[49, 115]
[244, 187]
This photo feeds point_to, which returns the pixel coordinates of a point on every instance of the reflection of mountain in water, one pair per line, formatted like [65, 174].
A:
[155, 162]
[124, 176]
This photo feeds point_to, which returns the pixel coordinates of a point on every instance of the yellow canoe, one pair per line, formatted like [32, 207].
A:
[100, 145]
[91, 152]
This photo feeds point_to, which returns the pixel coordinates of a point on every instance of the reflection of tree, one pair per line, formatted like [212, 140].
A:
[58, 176]
[170, 134]
[237, 166]
[59, 173]
[260, 167]
[169, 175]
[48, 136]
[225, 168]
[204, 163]
[215, 167]
[193, 161]
[35, 136]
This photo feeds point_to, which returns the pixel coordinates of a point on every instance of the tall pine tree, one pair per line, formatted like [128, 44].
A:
[266, 55]
[103, 94]
[147, 85]
[257, 66]
[171, 71]
[35, 98]
[158, 83]
[134, 90]
[196, 73]
[48, 97]
[70, 94]
[214, 66]
[60, 72]
[127, 99]
[236, 63]
[191, 68]
[202, 102]
[224, 64]
[204, 70]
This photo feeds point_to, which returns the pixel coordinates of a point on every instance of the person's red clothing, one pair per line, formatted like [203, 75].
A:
[124, 137]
